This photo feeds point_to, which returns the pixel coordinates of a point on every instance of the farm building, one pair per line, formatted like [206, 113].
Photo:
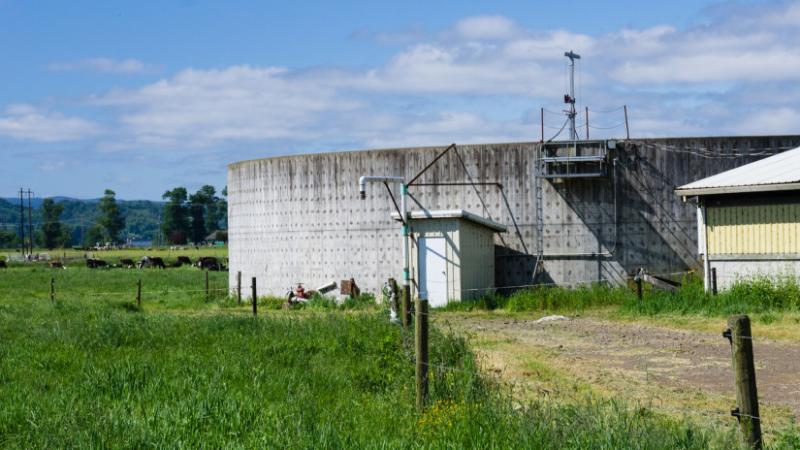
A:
[452, 255]
[749, 220]
[597, 214]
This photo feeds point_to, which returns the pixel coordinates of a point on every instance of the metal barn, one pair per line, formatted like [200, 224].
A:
[452, 255]
[749, 220]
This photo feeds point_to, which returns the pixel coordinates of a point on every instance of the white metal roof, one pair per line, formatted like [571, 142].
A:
[454, 214]
[779, 172]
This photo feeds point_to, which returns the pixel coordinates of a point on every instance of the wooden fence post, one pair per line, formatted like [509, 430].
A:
[52, 289]
[405, 307]
[638, 280]
[255, 298]
[207, 293]
[744, 375]
[627, 130]
[239, 287]
[714, 280]
[139, 294]
[639, 290]
[421, 335]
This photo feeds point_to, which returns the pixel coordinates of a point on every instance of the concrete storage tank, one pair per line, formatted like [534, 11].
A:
[299, 218]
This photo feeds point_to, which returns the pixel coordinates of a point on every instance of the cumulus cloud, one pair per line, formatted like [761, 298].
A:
[477, 80]
[486, 27]
[105, 65]
[25, 122]
[203, 107]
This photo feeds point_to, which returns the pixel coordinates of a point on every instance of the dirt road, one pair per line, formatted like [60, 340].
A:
[685, 372]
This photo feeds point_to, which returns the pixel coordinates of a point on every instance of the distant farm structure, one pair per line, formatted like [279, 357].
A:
[574, 211]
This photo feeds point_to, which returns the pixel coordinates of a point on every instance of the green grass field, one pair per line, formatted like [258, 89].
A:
[94, 371]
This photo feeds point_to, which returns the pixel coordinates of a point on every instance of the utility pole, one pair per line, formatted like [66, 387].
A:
[21, 224]
[570, 98]
[30, 222]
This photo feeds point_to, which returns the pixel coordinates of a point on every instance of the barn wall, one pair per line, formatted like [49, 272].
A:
[298, 218]
[767, 228]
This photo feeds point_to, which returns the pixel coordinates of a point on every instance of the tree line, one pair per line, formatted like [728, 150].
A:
[184, 218]
[194, 217]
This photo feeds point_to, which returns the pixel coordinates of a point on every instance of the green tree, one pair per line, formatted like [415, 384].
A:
[93, 236]
[8, 239]
[209, 196]
[198, 227]
[176, 216]
[111, 219]
[52, 229]
[222, 210]
[207, 211]
[199, 204]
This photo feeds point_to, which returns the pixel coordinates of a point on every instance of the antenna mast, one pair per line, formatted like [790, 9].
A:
[570, 98]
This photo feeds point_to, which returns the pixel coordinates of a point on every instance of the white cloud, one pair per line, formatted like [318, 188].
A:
[203, 107]
[473, 82]
[486, 28]
[105, 65]
[780, 120]
[24, 122]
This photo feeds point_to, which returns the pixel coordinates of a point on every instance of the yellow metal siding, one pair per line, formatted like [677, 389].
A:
[753, 229]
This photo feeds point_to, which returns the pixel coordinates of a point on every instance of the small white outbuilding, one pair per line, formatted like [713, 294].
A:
[452, 255]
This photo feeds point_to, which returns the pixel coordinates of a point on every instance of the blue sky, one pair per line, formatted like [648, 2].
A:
[140, 97]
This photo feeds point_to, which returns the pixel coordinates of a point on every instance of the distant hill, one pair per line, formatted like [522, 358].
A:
[141, 216]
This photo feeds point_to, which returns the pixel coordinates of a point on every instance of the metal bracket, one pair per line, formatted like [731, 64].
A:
[727, 334]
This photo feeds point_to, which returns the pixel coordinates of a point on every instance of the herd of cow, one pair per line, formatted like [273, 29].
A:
[153, 262]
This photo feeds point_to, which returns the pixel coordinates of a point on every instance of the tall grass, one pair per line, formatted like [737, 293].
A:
[744, 297]
[82, 373]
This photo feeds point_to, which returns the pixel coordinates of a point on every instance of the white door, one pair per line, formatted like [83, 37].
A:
[433, 270]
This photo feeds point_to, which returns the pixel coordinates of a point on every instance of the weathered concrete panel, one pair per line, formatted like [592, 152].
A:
[729, 271]
[298, 218]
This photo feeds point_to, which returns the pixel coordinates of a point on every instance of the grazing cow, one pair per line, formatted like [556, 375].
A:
[152, 261]
[94, 263]
[210, 263]
[184, 260]
[127, 263]
[2, 264]
[56, 265]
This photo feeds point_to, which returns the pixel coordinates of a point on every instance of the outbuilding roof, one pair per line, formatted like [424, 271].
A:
[779, 172]
[454, 214]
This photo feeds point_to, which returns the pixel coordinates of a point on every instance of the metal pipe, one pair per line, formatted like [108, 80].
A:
[404, 212]
[362, 189]
[362, 183]
[578, 255]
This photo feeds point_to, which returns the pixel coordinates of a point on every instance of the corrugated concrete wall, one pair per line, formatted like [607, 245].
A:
[298, 218]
